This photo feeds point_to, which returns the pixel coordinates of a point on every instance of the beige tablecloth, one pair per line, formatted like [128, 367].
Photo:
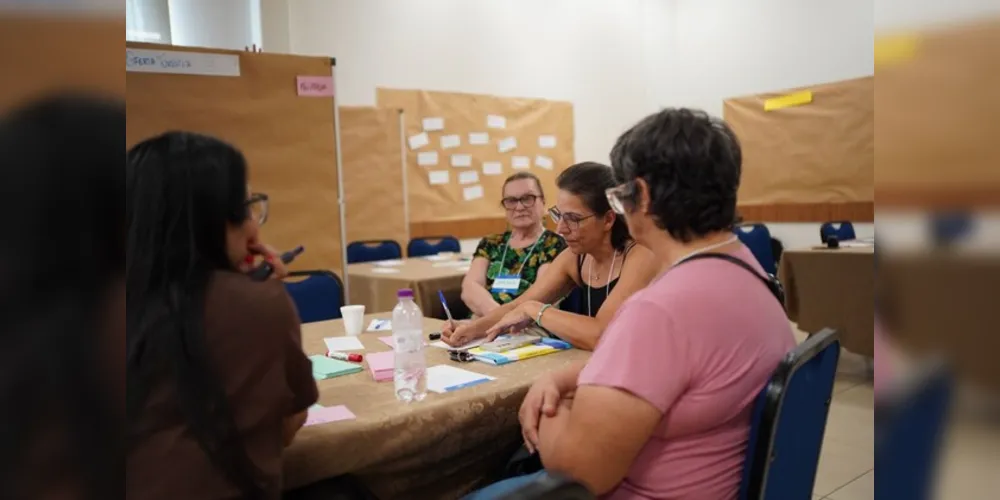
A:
[439, 448]
[833, 289]
[375, 286]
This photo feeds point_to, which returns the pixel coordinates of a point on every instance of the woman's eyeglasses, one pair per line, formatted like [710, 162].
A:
[527, 201]
[256, 207]
[617, 196]
[572, 220]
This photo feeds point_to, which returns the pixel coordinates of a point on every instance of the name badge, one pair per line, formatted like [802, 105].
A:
[507, 283]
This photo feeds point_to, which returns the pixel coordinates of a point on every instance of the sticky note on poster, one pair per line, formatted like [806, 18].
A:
[470, 177]
[789, 101]
[427, 158]
[461, 161]
[439, 177]
[314, 86]
[492, 168]
[896, 49]
[507, 145]
[479, 138]
[433, 124]
[520, 162]
[450, 141]
[420, 140]
[472, 193]
[496, 121]
[547, 141]
[543, 162]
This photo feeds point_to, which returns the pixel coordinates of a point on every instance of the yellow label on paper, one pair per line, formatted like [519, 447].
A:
[895, 49]
[788, 101]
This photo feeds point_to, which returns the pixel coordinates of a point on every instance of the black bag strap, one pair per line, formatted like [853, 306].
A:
[769, 280]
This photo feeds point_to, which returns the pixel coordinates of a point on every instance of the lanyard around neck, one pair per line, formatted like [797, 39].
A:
[503, 259]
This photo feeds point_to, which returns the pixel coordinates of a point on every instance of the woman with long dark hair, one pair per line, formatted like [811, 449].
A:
[217, 380]
[602, 261]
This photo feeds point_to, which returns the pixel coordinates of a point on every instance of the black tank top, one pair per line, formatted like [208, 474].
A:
[596, 296]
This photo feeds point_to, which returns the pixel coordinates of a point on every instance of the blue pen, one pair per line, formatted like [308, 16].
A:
[444, 303]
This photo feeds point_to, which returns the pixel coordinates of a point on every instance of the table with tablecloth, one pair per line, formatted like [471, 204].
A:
[374, 285]
[439, 448]
[833, 288]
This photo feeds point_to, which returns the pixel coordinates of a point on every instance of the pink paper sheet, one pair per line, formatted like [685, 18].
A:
[381, 365]
[326, 415]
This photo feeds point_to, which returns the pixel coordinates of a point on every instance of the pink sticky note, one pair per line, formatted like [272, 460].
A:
[388, 341]
[314, 86]
[327, 415]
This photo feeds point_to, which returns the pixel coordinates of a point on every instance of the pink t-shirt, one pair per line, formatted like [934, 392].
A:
[698, 344]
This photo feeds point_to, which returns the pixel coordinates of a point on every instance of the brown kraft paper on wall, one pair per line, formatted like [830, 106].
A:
[288, 140]
[372, 163]
[938, 98]
[526, 120]
[820, 152]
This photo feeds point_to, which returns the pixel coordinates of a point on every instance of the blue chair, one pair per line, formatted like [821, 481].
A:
[789, 422]
[373, 251]
[843, 230]
[950, 228]
[318, 297]
[422, 247]
[758, 239]
[909, 424]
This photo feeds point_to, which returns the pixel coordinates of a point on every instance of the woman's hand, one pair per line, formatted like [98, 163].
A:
[515, 321]
[542, 401]
[269, 254]
[459, 333]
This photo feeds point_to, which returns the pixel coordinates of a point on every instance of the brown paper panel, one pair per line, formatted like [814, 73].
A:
[938, 116]
[372, 163]
[465, 229]
[809, 212]
[464, 113]
[43, 55]
[821, 152]
[288, 141]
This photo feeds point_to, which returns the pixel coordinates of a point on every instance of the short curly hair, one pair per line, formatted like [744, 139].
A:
[692, 163]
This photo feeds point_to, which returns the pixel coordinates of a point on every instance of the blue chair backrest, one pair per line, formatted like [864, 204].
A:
[843, 230]
[789, 422]
[949, 228]
[758, 239]
[422, 247]
[373, 251]
[909, 425]
[318, 297]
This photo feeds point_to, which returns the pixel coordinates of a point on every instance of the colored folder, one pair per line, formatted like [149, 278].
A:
[543, 348]
[325, 368]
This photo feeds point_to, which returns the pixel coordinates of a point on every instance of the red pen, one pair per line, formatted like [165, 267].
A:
[353, 358]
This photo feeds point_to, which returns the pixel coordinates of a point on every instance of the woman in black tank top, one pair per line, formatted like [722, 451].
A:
[581, 291]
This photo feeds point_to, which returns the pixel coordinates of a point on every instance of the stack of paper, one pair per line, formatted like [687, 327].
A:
[545, 347]
[444, 378]
[381, 365]
[324, 367]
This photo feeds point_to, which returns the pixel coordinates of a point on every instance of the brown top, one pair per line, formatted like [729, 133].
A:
[254, 344]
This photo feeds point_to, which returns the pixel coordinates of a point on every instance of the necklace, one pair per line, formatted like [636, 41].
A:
[607, 289]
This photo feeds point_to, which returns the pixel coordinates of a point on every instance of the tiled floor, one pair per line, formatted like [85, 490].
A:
[969, 466]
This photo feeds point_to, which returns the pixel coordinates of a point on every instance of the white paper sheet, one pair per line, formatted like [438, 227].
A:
[461, 161]
[444, 378]
[441, 345]
[472, 193]
[420, 140]
[492, 168]
[520, 162]
[507, 145]
[450, 141]
[543, 162]
[439, 177]
[470, 177]
[388, 263]
[496, 121]
[343, 344]
[433, 124]
[385, 270]
[479, 138]
[427, 158]
[181, 63]
[380, 325]
[547, 141]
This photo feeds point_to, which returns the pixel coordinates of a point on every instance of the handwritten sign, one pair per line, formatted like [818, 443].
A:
[314, 86]
[181, 63]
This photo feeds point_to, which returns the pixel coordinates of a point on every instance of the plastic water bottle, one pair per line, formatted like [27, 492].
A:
[410, 374]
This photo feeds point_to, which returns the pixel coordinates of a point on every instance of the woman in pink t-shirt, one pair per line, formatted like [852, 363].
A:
[662, 410]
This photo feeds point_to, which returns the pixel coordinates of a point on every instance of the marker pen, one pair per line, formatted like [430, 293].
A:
[353, 358]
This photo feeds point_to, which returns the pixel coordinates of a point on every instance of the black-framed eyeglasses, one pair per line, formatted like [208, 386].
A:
[572, 220]
[256, 206]
[527, 201]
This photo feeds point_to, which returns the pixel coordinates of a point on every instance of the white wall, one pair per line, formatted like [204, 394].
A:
[221, 24]
[590, 52]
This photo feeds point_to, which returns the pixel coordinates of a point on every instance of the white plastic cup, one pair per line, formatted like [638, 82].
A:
[354, 319]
